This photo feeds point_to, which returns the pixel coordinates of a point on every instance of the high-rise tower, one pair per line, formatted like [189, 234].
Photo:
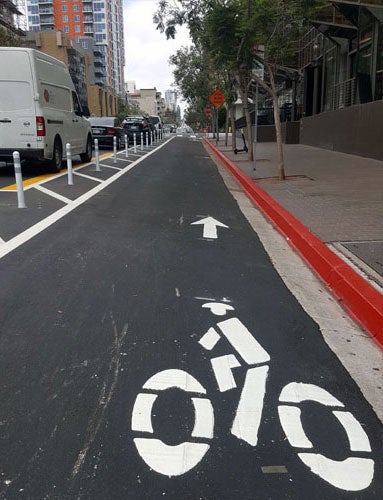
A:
[100, 20]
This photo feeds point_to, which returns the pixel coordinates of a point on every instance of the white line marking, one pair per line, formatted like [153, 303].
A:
[209, 227]
[52, 193]
[109, 166]
[32, 231]
[142, 412]
[243, 342]
[204, 418]
[353, 474]
[248, 418]
[297, 392]
[210, 339]
[170, 460]
[88, 177]
[290, 417]
[178, 293]
[174, 378]
[222, 368]
[356, 434]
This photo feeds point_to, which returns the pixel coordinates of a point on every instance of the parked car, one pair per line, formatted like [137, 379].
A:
[156, 123]
[105, 129]
[39, 109]
[135, 125]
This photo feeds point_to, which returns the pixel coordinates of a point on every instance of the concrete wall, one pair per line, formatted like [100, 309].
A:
[266, 133]
[354, 130]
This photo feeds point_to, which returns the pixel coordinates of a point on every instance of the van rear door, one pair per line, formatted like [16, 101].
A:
[17, 104]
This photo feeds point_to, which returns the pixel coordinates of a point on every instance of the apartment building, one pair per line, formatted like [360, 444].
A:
[79, 19]
[12, 20]
[80, 63]
[341, 60]
[171, 100]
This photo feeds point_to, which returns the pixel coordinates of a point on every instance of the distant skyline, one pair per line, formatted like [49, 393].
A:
[147, 51]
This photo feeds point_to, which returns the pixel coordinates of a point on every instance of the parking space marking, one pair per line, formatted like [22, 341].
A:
[110, 166]
[88, 177]
[40, 226]
[52, 193]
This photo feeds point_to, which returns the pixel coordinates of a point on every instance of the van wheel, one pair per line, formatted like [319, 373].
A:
[57, 158]
[87, 156]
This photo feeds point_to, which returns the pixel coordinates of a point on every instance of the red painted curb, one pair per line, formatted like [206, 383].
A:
[362, 301]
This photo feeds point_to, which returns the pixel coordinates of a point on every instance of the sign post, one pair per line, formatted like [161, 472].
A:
[217, 98]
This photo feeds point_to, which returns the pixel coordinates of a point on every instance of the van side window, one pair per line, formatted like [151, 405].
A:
[76, 103]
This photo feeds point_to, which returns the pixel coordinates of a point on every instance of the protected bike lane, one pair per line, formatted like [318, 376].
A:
[151, 350]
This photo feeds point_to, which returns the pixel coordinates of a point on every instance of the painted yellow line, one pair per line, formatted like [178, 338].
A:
[34, 180]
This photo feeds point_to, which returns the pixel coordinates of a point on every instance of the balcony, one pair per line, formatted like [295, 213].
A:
[88, 19]
[45, 10]
[342, 95]
[98, 61]
[88, 30]
[44, 20]
[99, 72]
[331, 22]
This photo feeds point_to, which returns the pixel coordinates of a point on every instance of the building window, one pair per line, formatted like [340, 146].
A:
[66, 29]
[99, 27]
[76, 8]
[98, 6]
[77, 28]
[76, 19]
[65, 19]
[64, 8]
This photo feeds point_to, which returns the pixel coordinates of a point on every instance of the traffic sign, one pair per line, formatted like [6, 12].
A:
[217, 98]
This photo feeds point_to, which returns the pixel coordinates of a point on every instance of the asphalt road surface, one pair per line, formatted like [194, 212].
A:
[144, 356]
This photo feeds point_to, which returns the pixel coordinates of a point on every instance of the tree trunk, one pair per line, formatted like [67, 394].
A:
[227, 126]
[278, 128]
[250, 155]
[233, 129]
[244, 94]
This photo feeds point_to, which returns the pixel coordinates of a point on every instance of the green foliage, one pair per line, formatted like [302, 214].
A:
[125, 109]
[8, 38]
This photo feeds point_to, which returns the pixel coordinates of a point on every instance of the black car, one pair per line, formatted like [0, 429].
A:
[105, 128]
[135, 125]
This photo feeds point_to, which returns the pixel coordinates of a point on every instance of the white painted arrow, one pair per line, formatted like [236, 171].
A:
[210, 227]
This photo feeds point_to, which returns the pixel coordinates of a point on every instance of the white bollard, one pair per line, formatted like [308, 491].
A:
[115, 149]
[151, 133]
[19, 180]
[97, 154]
[126, 146]
[69, 164]
[142, 141]
[146, 139]
[134, 143]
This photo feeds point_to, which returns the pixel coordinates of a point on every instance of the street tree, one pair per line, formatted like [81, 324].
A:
[232, 29]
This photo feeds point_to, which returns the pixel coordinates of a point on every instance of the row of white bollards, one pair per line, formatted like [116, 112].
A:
[17, 163]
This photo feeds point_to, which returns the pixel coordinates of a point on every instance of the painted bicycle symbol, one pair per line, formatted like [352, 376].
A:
[355, 473]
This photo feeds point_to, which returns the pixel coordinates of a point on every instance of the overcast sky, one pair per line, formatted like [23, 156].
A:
[147, 51]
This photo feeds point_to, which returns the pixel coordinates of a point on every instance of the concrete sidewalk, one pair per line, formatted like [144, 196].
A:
[338, 197]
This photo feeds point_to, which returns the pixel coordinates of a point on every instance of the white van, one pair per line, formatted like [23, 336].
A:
[39, 109]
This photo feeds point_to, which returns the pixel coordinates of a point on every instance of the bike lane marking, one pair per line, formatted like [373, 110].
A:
[32, 231]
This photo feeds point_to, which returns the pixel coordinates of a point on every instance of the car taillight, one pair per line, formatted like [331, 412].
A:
[40, 126]
[111, 131]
